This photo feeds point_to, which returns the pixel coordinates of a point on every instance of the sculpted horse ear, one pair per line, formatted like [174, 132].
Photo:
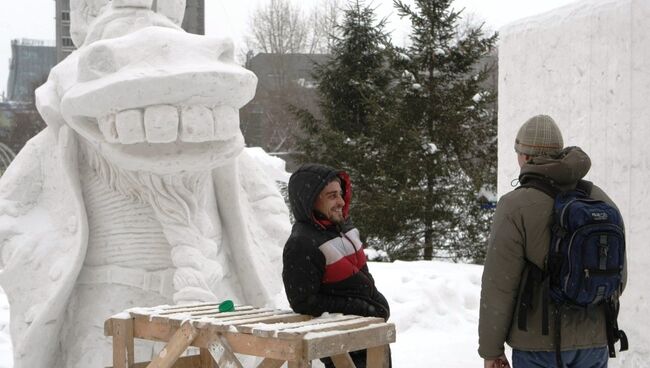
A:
[82, 13]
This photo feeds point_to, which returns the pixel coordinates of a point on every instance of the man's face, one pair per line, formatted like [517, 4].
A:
[522, 159]
[330, 202]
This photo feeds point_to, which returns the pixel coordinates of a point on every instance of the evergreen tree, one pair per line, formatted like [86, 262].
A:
[414, 128]
[352, 88]
[23, 123]
[358, 96]
[26, 123]
[452, 120]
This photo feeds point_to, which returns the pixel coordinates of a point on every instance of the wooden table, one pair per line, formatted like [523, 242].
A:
[278, 336]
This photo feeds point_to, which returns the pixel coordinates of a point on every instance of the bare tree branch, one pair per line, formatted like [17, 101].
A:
[279, 27]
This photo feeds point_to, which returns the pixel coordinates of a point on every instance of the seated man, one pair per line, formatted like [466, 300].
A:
[324, 266]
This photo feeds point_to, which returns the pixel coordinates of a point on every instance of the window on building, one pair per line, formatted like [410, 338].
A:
[65, 16]
[67, 42]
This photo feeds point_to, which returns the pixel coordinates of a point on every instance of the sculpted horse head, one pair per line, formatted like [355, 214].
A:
[144, 93]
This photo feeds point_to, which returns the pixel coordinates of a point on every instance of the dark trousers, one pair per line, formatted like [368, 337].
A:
[358, 357]
[582, 358]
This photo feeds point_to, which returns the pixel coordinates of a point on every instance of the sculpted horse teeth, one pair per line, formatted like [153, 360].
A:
[226, 122]
[107, 127]
[167, 123]
[130, 127]
[161, 123]
[196, 124]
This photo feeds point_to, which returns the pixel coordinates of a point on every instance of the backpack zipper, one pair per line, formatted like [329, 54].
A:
[619, 232]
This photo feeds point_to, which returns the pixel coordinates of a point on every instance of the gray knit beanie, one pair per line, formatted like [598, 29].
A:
[539, 136]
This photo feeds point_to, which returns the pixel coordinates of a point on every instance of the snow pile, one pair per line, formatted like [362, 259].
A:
[377, 255]
[274, 167]
[6, 360]
[434, 306]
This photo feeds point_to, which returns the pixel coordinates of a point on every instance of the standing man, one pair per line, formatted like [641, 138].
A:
[521, 233]
[324, 266]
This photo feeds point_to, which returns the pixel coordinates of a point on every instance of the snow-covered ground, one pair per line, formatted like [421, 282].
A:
[434, 306]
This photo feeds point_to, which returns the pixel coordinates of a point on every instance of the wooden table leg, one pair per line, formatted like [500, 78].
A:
[175, 347]
[377, 357]
[271, 363]
[222, 353]
[300, 364]
[206, 359]
[123, 342]
[343, 361]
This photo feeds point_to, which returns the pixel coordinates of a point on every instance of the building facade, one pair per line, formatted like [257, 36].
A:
[64, 44]
[194, 22]
[31, 61]
[283, 81]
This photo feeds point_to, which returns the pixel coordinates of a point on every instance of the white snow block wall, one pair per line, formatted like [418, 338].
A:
[588, 66]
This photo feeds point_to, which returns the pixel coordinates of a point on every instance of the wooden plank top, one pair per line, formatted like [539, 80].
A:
[259, 322]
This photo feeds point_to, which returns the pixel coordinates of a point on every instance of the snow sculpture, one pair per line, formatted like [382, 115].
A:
[139, 191]
[587, 65]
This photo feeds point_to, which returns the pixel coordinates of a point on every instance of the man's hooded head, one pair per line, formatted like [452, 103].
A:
[313, 183]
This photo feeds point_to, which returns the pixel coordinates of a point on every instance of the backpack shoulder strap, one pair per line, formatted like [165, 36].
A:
[613, 333]
[545, 185]
[586, 186]
[531, 277]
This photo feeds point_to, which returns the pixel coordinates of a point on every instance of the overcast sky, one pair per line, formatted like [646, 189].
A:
[35, 19]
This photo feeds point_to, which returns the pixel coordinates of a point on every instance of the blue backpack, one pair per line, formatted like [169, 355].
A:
[585, 260]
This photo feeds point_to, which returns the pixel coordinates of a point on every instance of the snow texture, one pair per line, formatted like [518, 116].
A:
[139, 191]
[434, 306]
[6, 358]
[587, 65]
[376, 255]
[584, 64]
[274, 167]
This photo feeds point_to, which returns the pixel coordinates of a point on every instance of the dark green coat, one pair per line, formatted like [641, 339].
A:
[520, 232]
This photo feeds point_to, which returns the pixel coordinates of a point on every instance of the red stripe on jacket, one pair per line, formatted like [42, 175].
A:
[345, 267]
[344, 256]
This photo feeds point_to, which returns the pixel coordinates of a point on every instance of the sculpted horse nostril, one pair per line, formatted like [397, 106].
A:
[228, 52]
[96, 62]
[221, 49]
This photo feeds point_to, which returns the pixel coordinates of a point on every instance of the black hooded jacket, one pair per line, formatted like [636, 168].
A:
[324, 267]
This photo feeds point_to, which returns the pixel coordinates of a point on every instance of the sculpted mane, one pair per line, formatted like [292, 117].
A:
[178, 202]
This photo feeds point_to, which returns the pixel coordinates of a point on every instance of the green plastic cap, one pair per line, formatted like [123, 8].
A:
[226, 306]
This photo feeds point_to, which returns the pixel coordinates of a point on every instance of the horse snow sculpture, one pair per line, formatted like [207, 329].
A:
[139, 191]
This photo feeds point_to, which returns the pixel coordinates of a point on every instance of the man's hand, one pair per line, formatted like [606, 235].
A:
[500, 362]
